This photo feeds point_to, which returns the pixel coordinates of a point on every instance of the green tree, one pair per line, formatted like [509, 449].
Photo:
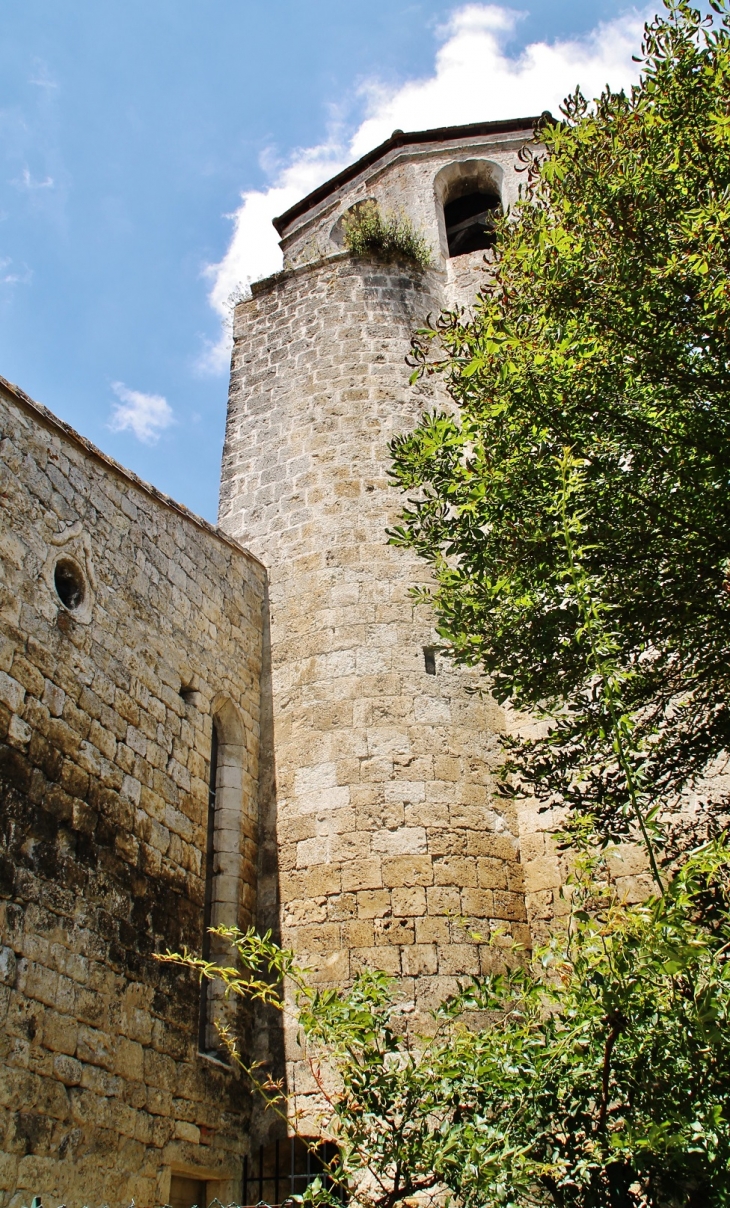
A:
[576, 508]
[598, 1076]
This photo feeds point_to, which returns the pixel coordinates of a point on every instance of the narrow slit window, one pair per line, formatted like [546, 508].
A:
[230, 826]
[429, 659]
[206, 1043]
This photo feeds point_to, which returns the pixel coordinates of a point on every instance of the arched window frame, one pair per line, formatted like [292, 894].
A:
[458, 179]
[337, 231]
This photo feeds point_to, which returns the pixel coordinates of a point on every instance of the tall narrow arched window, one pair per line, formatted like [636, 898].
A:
[230, 832]
[206, 1041]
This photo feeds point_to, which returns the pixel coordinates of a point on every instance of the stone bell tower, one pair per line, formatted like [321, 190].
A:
[382, 842]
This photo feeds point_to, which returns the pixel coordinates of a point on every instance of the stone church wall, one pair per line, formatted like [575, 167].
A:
[105, 738]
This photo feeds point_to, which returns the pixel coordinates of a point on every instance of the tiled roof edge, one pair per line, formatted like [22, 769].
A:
[442, 134]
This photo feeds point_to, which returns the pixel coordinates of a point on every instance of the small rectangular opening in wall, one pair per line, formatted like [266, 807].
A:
[429, 658]
[186, 1192]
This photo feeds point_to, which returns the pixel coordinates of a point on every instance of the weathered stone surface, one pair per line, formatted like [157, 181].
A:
[384, 773]
[103, 807]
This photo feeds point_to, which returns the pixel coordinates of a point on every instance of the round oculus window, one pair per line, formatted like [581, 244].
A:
[69, 584]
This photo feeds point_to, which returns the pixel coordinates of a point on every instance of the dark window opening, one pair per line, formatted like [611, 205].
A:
[429, 658]
[279, 1171]
[470, 222]
[69, 583]
[205, 1039]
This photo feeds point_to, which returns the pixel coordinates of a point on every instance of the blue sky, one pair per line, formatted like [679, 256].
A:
[146, 144]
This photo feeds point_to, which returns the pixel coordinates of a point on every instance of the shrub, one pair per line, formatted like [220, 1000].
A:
[390, 236]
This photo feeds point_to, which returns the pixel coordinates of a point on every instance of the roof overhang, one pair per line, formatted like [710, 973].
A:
[443, 134]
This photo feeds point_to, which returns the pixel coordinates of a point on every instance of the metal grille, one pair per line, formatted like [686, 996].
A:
[284, 1169]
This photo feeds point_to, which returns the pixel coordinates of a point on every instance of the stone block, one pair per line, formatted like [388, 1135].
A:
[492, 873]
[406, 840]
[187, 1132]
[443, 899]
[96, 1047]
[509, 905]
[12, 693]
[409, 901]
[458, 959]
[306, 910]
[385, 957]
[129, 1059]
[363, 874]
[373, 903]
[479, 903]
[7, 966]
[394, 931]
[159, 1102]
[460, 871]
[407, 871]
[60, 1033]
[419, 960]
[542, 873]
[9, 1171]
[323, 939]
[19, 732]
[322, 880]
[432, 931]
[67, 1069]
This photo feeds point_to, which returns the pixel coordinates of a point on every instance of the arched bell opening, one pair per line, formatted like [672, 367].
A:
[470, 222]
[469, 199]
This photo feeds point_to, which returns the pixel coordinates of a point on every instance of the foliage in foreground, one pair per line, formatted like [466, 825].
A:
[576, 507]
[369, 232]
[597, 1075]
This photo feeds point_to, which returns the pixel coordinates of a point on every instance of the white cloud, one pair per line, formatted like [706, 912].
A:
[474, 79]
[146, 415]
[254, 248]
[42, 81]
[41, 77]
[15, 276]
[27, 182]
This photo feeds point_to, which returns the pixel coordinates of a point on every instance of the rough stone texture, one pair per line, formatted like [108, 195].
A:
[388, 845]
[103, 800]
